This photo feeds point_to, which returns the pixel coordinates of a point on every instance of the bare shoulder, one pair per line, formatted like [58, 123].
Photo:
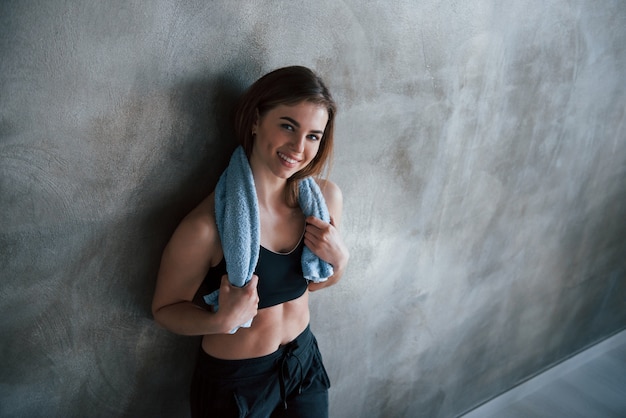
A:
[330, 190]
[334, 198]
[191, 251]
[202, 218]
[196, 236]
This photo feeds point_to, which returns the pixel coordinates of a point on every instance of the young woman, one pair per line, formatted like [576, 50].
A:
[284, 123]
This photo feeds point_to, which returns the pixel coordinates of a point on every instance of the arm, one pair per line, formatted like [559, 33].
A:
[186, 259]
[324, 238]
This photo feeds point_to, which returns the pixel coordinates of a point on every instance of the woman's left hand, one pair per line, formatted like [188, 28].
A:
[325, 241]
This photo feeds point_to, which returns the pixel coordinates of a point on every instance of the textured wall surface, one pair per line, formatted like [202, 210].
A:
[481, 151]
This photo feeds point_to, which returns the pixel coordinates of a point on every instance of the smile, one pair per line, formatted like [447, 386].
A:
[287, 159]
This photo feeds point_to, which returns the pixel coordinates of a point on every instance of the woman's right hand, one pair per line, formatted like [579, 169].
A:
[237, 305]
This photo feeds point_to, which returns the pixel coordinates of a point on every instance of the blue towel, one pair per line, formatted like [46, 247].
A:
[239, 227]
[312, 203]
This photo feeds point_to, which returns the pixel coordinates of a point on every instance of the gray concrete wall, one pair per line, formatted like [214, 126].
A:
[481, 151]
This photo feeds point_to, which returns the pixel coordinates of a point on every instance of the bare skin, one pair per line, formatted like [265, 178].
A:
[287, 139]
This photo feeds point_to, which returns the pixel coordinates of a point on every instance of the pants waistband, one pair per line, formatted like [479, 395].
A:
[253, 366]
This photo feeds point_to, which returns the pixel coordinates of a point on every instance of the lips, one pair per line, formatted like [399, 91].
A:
[286, 158]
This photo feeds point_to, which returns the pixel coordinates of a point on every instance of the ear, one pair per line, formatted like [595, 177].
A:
[255, 124]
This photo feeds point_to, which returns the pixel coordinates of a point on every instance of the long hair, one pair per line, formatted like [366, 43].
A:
[287, 86]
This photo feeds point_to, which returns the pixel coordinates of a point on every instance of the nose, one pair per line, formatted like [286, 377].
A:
[298, 143]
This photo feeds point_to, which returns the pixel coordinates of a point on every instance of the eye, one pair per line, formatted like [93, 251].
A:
[313, 137]
[287, 127]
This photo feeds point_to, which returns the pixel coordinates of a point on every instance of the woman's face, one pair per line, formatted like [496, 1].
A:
[288, 138]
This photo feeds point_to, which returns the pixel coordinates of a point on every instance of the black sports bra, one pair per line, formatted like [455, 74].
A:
[280, 277]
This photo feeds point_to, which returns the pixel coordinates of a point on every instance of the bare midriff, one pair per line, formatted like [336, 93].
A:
[271, 328]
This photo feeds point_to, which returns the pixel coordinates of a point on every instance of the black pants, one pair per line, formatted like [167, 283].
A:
[291, 382]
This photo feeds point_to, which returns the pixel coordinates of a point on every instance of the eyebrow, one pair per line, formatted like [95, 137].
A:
[297, 125]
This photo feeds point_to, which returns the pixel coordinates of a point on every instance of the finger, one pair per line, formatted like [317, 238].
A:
[322, 233]
[252, 285]
[314, 242]
[313, 234]
[253, 281]
[312, 220]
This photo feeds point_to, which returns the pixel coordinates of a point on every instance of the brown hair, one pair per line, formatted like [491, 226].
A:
[287, 86]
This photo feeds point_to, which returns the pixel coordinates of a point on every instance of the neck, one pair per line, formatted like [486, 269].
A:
[270, 190]
[270, 193]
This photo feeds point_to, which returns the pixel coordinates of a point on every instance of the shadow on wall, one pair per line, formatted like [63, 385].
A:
[192, 153]
[196, 153]
[104, 198]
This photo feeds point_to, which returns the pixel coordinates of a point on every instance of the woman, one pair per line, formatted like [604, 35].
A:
[284, 123]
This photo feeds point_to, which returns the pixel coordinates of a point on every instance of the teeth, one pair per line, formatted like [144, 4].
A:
[284, 157]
